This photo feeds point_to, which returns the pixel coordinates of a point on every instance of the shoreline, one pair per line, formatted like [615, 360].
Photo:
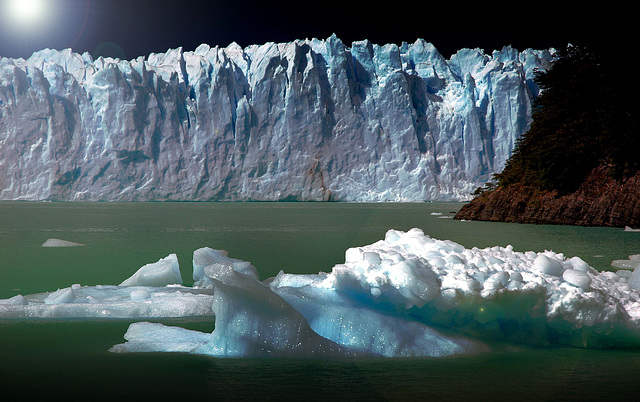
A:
[599, 201]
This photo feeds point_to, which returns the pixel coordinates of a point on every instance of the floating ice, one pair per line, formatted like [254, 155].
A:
[60, 243]
[208, 258]
[61, 296]
[366, 330]
[108, 301]
[495, 293]
[17, 300]
[634, 279]
[154, 337]
[253, 321]
[164, 272]
[141, 296]
[406, 295]
[411, 295]
[632, 263]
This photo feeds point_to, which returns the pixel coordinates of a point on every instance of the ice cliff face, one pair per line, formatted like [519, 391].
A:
[306, 120]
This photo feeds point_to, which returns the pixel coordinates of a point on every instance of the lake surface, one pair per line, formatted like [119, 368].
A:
[70, 357]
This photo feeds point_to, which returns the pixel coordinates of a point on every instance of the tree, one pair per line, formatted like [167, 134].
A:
[582, 119]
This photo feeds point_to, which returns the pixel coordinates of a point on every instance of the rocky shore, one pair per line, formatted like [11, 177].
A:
[599, 201]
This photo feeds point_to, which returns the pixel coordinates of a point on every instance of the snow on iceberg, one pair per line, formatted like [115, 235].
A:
[494, 293]
[406, 295]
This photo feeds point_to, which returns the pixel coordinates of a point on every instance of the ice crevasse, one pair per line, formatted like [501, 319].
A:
[406, 295]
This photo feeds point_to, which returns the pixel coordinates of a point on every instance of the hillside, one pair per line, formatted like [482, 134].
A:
[578, 162]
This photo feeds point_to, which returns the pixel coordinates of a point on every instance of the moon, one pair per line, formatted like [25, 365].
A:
[26, 11]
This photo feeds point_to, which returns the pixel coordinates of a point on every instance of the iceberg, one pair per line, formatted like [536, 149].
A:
[406, 295]
[253, 321]
[308, 120]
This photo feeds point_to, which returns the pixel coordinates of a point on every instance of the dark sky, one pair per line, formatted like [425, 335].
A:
[131, 28]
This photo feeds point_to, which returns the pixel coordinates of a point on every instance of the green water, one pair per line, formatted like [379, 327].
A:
[69, 357]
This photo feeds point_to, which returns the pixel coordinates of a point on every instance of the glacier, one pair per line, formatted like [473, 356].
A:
[309, 120]
[407, 295]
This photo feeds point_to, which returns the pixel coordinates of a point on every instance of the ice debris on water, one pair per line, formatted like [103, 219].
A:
[406, 295]
[60, 243]
[632, 263]
[154, 291]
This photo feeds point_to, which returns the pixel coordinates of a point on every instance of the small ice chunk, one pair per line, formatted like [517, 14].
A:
[493, 285]
[473, 285]
[207, 257]
[17, 300]
[548, 265]
[392, 236]
[577, 278]
[139, 294]
[372, 258]
[516, 276]
[578, 264]
[611, 276]
[353, 254]
[203, 257]
[634, 279]
[164, 272]
[60, 243]
[60, 296]
[503, 277]
[623, 273]
[155, 337]
[454, 259]
[625, 264]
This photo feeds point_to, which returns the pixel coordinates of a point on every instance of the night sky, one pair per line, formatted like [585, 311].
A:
[131, 28]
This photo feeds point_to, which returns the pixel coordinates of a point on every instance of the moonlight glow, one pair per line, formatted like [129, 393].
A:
[25, 11]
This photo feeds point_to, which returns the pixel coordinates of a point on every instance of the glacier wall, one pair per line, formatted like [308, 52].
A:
[306, 120]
